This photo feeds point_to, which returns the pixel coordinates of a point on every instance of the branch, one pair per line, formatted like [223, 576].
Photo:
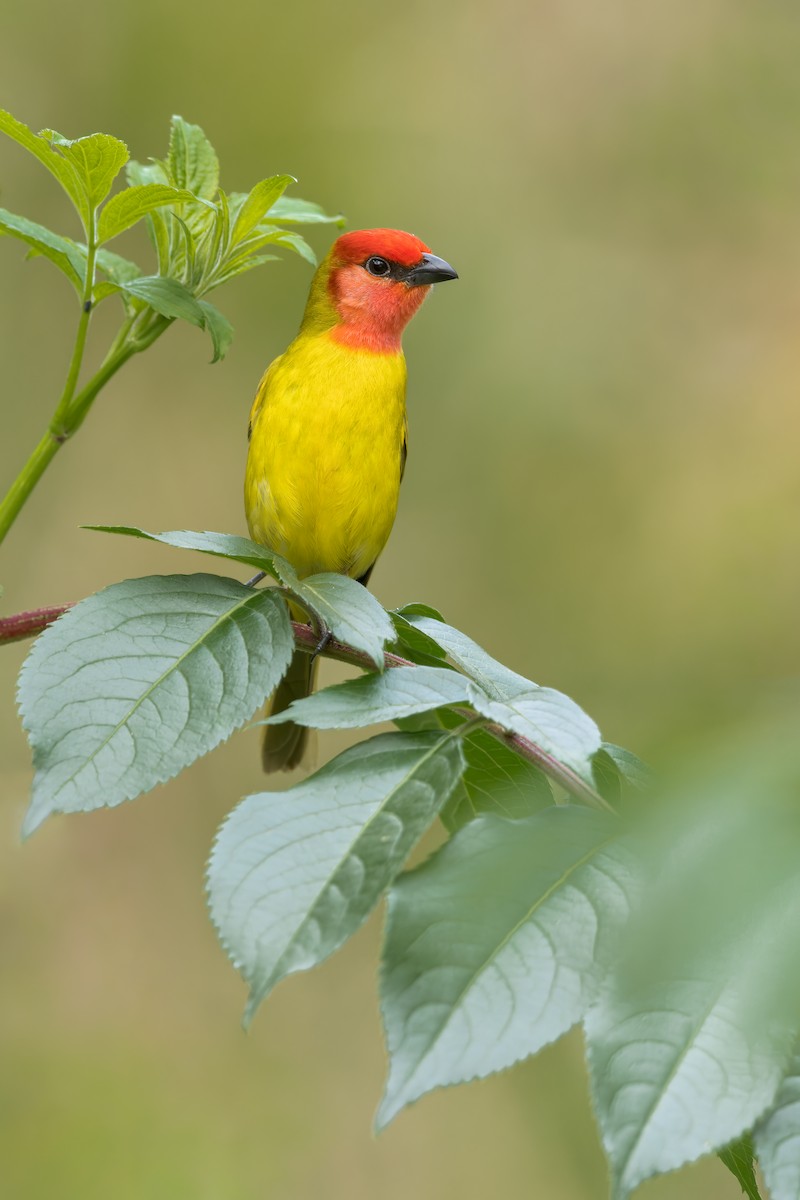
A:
[306, 639]
[28, 624]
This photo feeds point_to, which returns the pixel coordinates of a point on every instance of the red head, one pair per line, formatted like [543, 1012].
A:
[376, 279]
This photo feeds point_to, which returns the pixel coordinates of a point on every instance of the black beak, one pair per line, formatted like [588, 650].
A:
[430, 269]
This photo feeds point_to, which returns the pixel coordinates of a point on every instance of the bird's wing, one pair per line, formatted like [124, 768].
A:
[404, 449]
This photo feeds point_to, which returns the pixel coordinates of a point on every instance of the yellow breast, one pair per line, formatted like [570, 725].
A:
[325, 459]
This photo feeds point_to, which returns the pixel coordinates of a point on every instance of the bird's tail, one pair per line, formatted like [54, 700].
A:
[283, 746]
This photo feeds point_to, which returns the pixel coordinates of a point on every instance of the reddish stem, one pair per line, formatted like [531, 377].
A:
[28, 624]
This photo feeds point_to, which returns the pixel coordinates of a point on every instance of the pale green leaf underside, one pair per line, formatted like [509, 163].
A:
[350, 612]
[220, 545]
[136, 682]
[678, 1070]
[293, 874]
[497, 681]
[370, 699]
[551, 720]
[777, 1138]
[497, 944]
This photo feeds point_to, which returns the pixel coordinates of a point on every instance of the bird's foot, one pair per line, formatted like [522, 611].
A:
[323, 643]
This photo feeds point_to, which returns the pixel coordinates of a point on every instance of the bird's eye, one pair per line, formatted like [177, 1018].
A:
[378, 266]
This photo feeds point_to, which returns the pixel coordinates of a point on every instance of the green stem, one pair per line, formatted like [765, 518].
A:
[60, 427]
[88, 394]
[72, 410]
[26, 481]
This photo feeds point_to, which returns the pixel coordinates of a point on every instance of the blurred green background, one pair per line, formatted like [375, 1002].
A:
[602, 489]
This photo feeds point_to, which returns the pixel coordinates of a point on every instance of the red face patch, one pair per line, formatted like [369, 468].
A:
[393, 244]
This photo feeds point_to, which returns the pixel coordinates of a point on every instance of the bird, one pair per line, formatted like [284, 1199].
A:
[328, 431]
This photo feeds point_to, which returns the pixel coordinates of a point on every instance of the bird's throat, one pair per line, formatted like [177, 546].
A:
[372, 313]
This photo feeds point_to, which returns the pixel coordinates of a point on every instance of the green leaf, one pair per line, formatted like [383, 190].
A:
[293, 241]
[680, 1066]
[219, 328]
[133, 684]
[182, 247]
[738, 1158]
[129, 206]
[551, 720]
[497, 681]
[349, 611]
[120, 270]
[496, 945]
[238, 265]
[104, 289]
[417, 609]
[372, 698]
[293, 874]
[138, 174]
[777, 1138]
[221, 545]
[213, 243]
[192, 162]
[142, 175]
[691, 1040]
[173, 299]
[291, 211]
[66, 254]
[497, 780]
[256, 204]
[635, 772]
[414, 644]
[606, 777]
[97, 159]
[167, 296]
[41, 148]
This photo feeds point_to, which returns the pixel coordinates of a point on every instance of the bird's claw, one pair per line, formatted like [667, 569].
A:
[323, 643]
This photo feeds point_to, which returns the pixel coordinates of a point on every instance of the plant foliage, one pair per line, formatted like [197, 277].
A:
[543, 910]
[574, 888]
[202, 235]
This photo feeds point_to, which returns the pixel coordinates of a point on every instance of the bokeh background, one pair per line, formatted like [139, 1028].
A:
[603, 489]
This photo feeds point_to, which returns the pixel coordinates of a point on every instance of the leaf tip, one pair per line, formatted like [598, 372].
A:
[387, 1111]
[36, 815]
[250, 1010]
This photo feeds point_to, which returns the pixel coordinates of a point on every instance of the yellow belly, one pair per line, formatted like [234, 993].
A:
[324, 466]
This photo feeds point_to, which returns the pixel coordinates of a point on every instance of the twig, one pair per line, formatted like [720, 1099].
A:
[28, 624]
